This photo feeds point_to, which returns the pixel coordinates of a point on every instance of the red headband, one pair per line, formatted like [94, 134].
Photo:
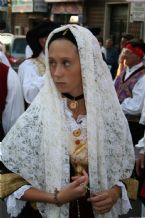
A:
[136, 50]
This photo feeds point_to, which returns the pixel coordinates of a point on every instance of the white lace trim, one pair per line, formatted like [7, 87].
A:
[123, 203]
[14, 204]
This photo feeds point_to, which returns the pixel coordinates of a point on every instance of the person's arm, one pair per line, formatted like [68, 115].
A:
[25, 193]
[14, 101]
[4, 59]
[105, 200]
[72, 191]
[133, 105]
[31, 81]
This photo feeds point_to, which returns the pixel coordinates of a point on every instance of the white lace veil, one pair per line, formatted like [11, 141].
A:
[37, 146]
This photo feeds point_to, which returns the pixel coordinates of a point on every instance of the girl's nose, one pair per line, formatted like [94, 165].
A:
[58, 71]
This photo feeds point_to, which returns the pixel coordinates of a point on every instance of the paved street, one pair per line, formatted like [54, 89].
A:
[3, 213]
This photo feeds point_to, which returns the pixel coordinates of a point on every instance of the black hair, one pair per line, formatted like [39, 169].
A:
[127, 36]
[41, 30]
[65, 34]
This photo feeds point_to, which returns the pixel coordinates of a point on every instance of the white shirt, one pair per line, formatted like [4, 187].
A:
[3, 59]
[14, 101]
[31, 80]
[133, 105]
[28, 52]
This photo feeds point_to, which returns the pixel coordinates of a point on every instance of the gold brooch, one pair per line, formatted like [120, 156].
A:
[77, 132]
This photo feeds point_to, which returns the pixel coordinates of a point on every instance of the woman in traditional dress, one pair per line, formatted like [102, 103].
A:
[72, 148]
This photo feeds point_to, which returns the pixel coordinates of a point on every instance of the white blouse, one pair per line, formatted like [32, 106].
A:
[140, 148]
[14, 101]
[4, 59]
[30, 78]
[71, 125]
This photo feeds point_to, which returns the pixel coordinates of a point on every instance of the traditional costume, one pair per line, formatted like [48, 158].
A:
[3, 59]
[130, 89]
[46, 141]
[31, 71]
[11, 100]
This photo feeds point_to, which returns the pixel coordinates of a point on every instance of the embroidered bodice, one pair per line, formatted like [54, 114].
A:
[78, 133]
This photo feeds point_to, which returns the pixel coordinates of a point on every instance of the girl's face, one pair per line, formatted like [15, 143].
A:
[65, 67]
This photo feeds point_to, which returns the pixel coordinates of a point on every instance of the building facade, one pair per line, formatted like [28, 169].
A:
[115, 17]
[112, 17]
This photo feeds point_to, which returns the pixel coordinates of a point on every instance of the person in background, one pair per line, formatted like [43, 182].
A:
[140, 163]
[72, 146]
[124, 41]
[31, 72]
[100, 40]
[130, 89]
[8, 102]
[11, 98]
[126, 37]
[4, 59]
[28, 52]
[2, 47]
[111, 56]
[11, 107]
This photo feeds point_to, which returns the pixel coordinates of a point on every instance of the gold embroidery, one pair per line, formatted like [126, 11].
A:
[39, 62]
[79, 151]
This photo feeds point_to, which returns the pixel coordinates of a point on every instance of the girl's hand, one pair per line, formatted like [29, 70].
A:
[75, 189]
[103, 202]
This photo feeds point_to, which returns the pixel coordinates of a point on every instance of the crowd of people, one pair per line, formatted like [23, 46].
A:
[71, 153]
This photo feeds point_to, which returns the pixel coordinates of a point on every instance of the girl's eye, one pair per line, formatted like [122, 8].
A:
[66, 63]
[52, 63]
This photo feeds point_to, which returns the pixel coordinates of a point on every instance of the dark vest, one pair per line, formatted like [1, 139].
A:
[3, 93]
[124, 87]
[124, 90]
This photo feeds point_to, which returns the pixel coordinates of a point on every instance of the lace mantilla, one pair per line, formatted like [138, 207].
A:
[37, 147]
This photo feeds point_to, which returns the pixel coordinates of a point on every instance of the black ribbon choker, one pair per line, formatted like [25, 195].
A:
[72, 97]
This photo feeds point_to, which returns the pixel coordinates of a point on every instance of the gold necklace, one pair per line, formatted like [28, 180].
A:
[73, 104]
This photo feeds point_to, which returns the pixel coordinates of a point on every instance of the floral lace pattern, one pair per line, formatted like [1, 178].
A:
[13, 210]
[37, 147]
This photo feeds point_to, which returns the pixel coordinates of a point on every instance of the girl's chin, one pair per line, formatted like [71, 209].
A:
[62, 90]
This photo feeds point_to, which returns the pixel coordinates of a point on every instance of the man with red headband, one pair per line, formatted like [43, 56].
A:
[130, 88]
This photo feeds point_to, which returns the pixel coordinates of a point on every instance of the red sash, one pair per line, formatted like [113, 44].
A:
[3, 85]
[142, 193]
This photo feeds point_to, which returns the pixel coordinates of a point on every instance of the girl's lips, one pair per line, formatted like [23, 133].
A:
[60, 84]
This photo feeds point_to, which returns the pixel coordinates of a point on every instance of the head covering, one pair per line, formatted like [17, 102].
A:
[136, 48]
[66, 34]
[41, 30]
[37, 146]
